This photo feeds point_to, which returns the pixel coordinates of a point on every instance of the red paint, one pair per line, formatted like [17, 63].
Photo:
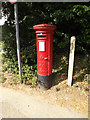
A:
[44, 36]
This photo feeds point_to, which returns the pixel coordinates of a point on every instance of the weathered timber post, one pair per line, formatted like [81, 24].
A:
[71, 60]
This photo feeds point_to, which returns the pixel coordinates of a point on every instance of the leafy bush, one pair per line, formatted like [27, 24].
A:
[15, 80]
[2, 78]
[69, 18]
[28, 72]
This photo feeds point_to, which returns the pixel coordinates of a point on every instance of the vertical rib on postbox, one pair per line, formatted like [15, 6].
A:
[44, 38]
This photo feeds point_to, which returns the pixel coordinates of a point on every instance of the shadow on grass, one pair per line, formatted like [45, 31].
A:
[81, 69]
[59, 75]
[82, 75]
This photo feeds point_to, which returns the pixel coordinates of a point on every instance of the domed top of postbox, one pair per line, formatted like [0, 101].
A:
[44, 27]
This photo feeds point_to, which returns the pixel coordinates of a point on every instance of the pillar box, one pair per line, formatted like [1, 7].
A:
[44, 42]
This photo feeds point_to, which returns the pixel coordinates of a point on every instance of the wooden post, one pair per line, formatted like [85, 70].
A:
[17, 39]
[71, 60]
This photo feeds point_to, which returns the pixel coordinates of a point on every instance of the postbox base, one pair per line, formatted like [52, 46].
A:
[44, 81]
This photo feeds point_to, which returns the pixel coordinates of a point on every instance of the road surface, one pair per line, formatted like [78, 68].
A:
[17, 104]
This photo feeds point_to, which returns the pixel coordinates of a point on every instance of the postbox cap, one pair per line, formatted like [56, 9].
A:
[45, 27]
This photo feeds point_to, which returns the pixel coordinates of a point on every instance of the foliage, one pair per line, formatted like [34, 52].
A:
[57, 89]
[0, 9]
[70, 19]
[0, 34]
[15, 80]
[28, 72]
[2, 78]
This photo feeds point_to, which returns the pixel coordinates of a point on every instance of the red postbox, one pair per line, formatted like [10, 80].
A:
[44, 37]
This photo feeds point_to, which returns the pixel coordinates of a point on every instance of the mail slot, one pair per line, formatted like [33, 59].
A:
[44, 41]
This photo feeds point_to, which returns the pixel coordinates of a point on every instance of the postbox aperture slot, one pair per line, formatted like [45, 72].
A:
[42, 36]
[42, 46]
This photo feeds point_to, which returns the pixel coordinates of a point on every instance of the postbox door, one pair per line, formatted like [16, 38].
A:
[42, 56]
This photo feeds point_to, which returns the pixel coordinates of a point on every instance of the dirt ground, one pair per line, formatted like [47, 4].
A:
[18, 104]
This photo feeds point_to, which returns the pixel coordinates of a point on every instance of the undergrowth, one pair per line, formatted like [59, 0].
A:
[2, 78]
[28, 71]
[60, 70]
